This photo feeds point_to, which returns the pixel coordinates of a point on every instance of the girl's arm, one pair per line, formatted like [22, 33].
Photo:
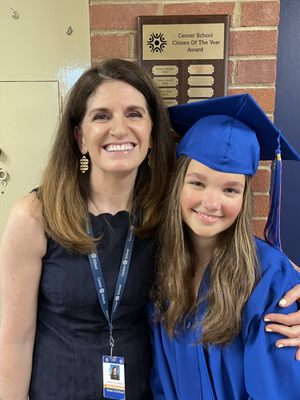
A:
[22, 248]
[161, 381]
[270, 372]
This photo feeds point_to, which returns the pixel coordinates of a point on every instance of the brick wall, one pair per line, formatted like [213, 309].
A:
[252, 55]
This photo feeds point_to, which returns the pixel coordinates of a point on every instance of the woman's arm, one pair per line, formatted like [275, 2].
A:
[286, 324]
[22, 248]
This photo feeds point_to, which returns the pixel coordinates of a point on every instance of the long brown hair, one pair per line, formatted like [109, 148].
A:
[64, 190]
[233, 269]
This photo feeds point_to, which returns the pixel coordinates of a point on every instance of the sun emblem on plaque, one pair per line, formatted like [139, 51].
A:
[157, 42]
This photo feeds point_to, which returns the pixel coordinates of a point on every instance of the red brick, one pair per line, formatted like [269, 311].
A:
[264, 96]
[256, 71]
[261, 181]
[260, 13]
[258, 226]
[109, 46]
[118, 16]
[256, 42]
[261, 205]
[196, 8]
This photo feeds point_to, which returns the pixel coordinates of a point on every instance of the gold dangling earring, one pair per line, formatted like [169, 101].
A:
[84, 164]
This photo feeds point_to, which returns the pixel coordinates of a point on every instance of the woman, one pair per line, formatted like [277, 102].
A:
[108, 169]
[215, 281]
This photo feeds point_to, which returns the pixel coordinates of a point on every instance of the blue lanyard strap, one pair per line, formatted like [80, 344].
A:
[99, 282]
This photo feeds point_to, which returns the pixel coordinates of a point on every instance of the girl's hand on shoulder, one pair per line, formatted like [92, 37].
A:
[286, 324]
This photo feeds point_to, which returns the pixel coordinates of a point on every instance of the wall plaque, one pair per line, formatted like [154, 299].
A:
[186, 55]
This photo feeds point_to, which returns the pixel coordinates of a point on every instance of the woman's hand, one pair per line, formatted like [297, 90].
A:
[290, 323]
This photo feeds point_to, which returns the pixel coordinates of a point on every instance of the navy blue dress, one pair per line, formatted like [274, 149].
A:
[251, 367]
[72, 333]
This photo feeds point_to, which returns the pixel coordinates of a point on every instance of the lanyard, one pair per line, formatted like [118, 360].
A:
[98, 277]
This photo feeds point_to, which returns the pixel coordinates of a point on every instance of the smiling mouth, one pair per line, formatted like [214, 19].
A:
[206, 217]
[119, 147]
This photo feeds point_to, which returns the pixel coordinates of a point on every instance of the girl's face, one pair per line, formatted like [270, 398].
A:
[210, 200]
[116, 128]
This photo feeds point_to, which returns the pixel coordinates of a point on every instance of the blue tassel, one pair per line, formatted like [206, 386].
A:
[272, 228]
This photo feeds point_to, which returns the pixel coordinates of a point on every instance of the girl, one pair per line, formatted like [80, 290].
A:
[215, 281]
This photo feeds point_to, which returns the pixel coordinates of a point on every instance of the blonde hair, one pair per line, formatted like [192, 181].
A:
[233, 269]
[64, 190]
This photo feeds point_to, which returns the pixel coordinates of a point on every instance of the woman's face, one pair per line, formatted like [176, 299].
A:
[116, 128]
[210, 200]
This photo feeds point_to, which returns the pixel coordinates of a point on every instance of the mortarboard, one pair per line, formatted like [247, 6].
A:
[231, 134]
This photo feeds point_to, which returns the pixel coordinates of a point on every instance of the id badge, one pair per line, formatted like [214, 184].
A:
[113, 377]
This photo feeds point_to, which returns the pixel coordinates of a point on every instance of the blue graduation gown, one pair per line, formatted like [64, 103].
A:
[251, 367]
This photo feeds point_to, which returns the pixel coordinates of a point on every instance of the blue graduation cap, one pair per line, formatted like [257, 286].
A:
[231, 134]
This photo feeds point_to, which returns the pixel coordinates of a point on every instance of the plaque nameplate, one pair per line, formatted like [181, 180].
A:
[166, 81]
[200, 80]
